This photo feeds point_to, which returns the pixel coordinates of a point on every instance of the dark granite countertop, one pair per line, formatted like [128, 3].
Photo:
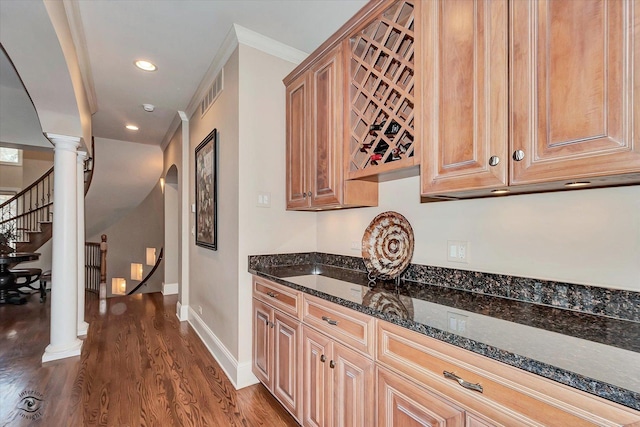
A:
[594, 353]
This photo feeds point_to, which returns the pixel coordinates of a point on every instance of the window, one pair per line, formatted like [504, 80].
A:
[10, 156]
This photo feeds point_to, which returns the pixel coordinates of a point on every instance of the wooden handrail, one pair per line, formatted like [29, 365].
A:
[148, 276]
[26, 190]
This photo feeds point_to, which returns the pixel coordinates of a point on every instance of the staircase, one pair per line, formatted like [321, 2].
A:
[29, 213]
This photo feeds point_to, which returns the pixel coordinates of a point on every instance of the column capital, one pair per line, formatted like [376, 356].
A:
[64, 142]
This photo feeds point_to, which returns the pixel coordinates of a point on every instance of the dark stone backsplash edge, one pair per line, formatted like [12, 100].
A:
[615, 303]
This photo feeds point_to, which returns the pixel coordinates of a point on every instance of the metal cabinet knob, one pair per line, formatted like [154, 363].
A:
[309, 194]
[518, 155]
[332, 364]
[304, 195]
[323, 358]
[494, 160]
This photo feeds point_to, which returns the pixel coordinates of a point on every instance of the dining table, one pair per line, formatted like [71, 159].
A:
[8, 288]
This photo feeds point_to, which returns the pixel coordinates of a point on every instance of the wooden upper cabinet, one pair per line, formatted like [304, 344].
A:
[297, 136]
[462, 84]
[529, 94]
[315, 123]
[325, 155]
[574, 87]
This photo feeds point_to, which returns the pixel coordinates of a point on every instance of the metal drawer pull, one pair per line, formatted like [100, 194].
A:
[329, 321]
[463, 383]
[272, 295]
[323, 358]
[332, 364]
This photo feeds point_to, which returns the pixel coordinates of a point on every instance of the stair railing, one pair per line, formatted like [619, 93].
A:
[95, 264]
[148, 276]
[24, 212]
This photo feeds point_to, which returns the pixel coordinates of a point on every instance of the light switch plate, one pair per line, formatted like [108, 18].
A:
[263, 199]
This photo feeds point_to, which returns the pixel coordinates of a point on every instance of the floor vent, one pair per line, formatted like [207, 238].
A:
[212, 94]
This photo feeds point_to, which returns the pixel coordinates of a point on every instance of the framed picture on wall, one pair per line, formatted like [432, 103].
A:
[206, 189]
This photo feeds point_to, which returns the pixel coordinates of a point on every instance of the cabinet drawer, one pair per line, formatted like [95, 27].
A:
[352, 328]
[508, 393]
[278, 296]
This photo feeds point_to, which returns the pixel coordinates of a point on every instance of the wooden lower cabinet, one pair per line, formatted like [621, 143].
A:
[402, 403]
[338, 384]
[276, 354]
[509, 396]
[321, 365]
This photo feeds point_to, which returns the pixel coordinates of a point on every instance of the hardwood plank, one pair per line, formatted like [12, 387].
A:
[139, 366]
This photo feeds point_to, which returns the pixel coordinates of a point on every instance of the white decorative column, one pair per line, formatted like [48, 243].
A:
[182, 307]
[82, 325]
[64, 263]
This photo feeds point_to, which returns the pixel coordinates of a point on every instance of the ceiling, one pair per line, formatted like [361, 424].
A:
[182, 38]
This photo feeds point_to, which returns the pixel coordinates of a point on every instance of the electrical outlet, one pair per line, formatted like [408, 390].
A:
[458, 251]
[356, 245]
[457, 323]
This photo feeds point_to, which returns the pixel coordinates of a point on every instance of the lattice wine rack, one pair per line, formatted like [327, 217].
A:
[381, 93]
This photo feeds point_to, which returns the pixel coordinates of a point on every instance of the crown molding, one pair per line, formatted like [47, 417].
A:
[268, 45]
[236, 35]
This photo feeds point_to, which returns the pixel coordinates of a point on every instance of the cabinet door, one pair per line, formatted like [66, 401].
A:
[326, 154]
[298, 133]
[463, 88]
[353, 385]
[574, 86]
[286, 363]
[317, 391]
[263, 343]
[402, 403]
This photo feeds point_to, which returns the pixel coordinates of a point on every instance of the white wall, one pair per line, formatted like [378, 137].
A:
[34, 164]
[128, 239]
[589, 237]
[262, 169]
[213, 275]
[250, 118]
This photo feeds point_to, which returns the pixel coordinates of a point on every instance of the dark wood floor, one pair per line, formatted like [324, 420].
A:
[139, 366]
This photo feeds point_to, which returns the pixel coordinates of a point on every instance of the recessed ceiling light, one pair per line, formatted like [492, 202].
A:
[577, 184]
[145, 65]
[132, 127]
[498, 192]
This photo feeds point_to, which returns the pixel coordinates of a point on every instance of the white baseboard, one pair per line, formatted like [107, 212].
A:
[182, 311]
[169, 288]
[83, 327]
[240, 375]
[245, 375]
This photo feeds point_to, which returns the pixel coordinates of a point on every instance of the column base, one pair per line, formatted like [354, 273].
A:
[52, 352]
[83, 327]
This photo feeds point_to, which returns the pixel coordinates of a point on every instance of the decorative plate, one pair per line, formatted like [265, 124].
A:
[387, 245]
